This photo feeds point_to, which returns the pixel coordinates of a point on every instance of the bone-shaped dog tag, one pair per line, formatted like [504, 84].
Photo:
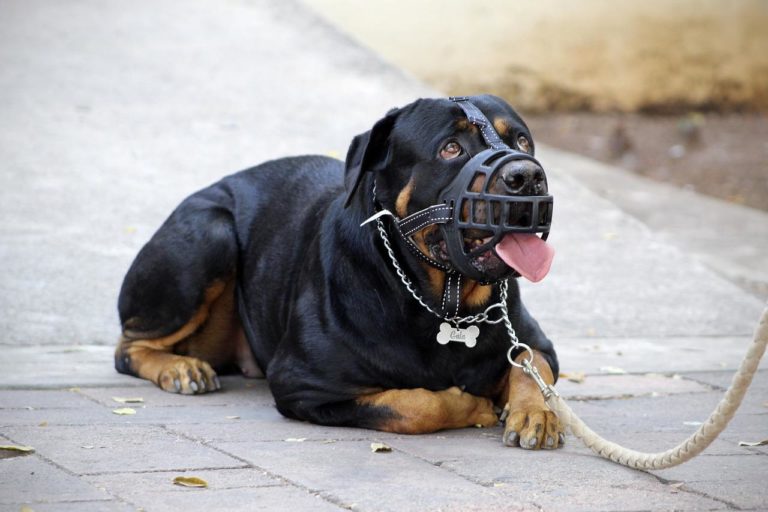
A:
[450, 333]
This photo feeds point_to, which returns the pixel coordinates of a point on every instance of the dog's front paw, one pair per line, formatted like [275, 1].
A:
[188, 376]
[532, 428]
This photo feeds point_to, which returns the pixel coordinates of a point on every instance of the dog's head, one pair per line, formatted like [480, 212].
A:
[415, 153]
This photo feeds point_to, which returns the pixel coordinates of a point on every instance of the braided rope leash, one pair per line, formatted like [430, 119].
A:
[689, 448]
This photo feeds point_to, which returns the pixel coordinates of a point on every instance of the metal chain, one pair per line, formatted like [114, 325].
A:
[474, 319]
[483, 317]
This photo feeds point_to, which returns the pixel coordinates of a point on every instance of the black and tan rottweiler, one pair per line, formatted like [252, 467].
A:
[269, 270]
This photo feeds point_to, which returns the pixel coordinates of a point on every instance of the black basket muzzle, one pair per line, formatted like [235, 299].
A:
[465, 215]
[487, 216]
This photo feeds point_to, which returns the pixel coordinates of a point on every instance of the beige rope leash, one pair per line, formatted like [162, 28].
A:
[689, 448]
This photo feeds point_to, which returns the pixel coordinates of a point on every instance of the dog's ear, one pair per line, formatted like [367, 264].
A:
[368, 152]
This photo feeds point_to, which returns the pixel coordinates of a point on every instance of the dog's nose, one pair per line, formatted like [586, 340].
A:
[523, 177]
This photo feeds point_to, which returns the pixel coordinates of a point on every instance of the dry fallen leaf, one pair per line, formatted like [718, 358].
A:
[380, 447]
[754, 443]
[577, 377]
[190, 481]
[124, 411]
[25, 508]
[16, 448]
[129, 400]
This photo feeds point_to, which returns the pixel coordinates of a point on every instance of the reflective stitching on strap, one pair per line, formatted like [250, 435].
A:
[417, 252]
[436, 214]
[426, 223]
[446, 291]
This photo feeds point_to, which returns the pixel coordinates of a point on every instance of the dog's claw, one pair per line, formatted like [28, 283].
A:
[511, 438]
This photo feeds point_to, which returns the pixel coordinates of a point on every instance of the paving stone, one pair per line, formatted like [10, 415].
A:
[554, 480]
[241, 499]
[45, 366]
[727, 477]
[78, 506]
[653, 442]
[89, 414]
[235, 390]
[350, 472]
[267, 424]
[126, 484]
[95, 449]
[96, 414]
[228, 489]
[758, 388]
[663, 354]
[30, 479]
[622, 386]
[663, 413]
[41, 399]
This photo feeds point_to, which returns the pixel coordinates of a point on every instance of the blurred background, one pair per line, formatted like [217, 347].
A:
[676, 91]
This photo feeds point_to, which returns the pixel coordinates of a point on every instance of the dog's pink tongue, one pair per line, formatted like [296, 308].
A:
[527, 253]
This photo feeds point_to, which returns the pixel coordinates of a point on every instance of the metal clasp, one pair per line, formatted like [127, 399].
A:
[546, 390]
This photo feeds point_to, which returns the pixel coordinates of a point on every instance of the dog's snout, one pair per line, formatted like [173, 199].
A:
[523, 177]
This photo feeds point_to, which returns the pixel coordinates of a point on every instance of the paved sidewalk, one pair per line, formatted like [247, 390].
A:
[112, 112]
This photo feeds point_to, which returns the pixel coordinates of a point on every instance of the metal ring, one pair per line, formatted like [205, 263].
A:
[512, 361]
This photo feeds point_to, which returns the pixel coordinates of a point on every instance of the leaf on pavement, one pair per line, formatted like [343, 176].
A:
[124, 411]
[380, 448]
[190, 481]
[16, 448]
[128, 400]
[577, 377]
[754, 443]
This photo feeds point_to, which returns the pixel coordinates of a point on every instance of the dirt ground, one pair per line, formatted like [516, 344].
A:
[722, 155]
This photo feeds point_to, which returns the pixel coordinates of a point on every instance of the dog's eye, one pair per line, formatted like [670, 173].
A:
[523, 144]
[450, 150]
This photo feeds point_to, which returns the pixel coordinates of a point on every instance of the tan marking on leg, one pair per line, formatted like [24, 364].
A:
[152, 359]
[211, 294]
[403, 198]
[530, 424]
[419, 411]
[215, 340]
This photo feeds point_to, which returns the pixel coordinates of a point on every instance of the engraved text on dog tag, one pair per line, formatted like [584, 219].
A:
[449, 333]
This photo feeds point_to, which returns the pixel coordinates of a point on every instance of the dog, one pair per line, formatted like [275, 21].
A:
[270, 271]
